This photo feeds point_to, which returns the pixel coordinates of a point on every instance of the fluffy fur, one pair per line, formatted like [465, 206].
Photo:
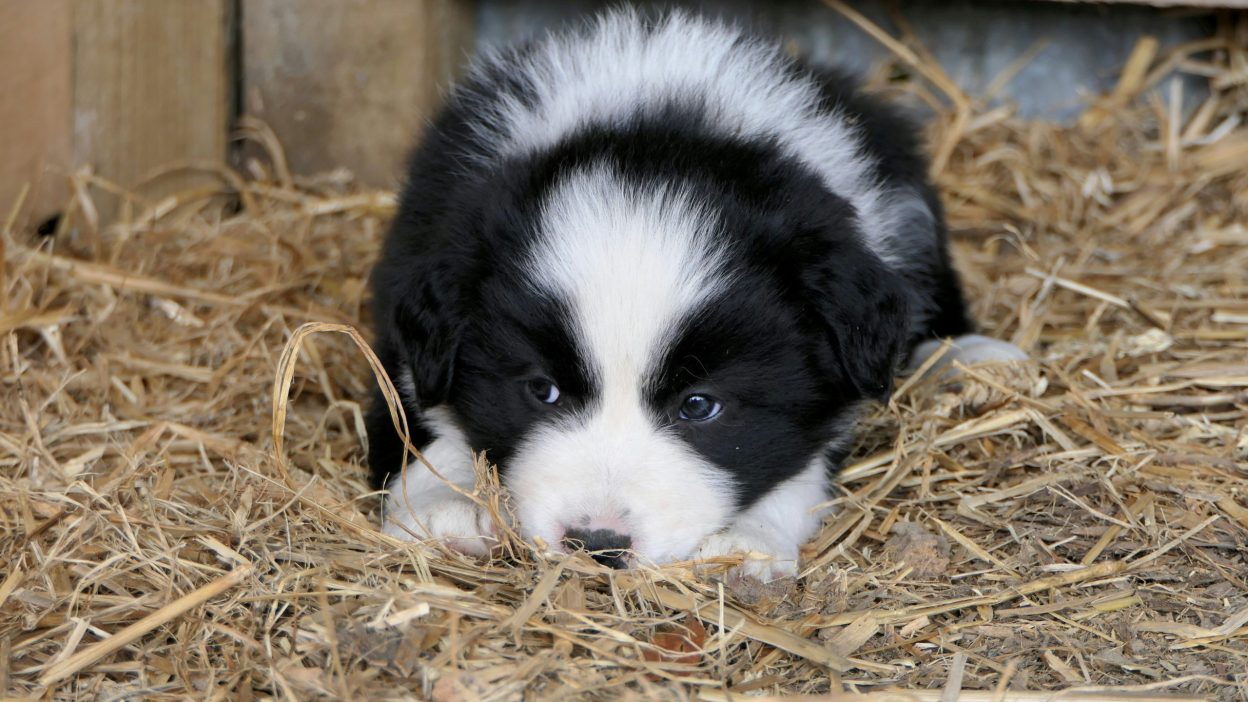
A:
[604, 223]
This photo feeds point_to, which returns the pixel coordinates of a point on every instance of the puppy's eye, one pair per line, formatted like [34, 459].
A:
[544, 391]
[700, 408]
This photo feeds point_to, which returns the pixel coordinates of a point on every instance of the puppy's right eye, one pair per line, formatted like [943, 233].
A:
[544, 391]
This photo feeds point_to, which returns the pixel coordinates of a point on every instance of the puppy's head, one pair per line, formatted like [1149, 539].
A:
[645, 357]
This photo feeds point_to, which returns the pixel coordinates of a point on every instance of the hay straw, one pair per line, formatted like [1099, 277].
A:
[71, 665]
[183, 509]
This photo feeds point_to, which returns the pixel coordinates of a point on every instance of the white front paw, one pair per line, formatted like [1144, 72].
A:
[455, 521]
[766, 558]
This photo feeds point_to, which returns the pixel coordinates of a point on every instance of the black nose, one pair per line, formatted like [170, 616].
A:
[605, 546]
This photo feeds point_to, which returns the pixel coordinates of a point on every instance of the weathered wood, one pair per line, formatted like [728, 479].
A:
[152, 88]
[35, 74]
[348, 83]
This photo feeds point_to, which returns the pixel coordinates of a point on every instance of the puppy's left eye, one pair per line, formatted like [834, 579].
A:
[700, 408]
[544, 391]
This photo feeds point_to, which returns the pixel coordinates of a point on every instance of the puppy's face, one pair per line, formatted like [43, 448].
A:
[649, 364]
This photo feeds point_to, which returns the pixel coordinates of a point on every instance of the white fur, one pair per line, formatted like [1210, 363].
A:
[631, 263]
[776, 526]
[620, 68]
[420, 506]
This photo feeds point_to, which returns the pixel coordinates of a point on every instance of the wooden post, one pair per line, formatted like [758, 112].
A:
[152, 89]
[34, 105]
[136, 88]
[123, 86]
[348, 83]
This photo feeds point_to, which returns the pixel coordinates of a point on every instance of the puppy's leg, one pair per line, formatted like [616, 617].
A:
[967, 349]
[775, 527]
[420, 506]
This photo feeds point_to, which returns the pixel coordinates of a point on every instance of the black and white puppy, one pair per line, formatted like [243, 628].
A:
[653, 268]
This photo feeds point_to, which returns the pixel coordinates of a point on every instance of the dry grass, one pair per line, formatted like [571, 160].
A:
[1078, 523]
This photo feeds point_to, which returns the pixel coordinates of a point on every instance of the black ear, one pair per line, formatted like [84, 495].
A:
[865, 307]
[417, 317]
[427, 324]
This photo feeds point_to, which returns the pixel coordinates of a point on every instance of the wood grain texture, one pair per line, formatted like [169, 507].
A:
[152, 88]
[348, 83]
[35, 73]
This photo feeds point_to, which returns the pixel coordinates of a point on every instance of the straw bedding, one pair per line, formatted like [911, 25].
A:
[1079, 522]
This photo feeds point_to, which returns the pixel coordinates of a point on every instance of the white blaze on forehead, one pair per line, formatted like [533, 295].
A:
[745, 88]
[631, 263]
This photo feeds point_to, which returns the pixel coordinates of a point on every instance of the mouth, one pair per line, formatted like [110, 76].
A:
[614, 559]
[608, 547]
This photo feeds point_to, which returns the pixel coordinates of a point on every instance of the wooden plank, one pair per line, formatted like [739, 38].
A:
[152, 88]
[348, 83]
[34, 105]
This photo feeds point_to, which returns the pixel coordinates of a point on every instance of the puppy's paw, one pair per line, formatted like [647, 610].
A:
[967, 350]
[975, 348]
[455, 521]
[766, 558]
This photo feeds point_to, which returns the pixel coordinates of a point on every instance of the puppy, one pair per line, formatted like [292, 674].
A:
[653, 268]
